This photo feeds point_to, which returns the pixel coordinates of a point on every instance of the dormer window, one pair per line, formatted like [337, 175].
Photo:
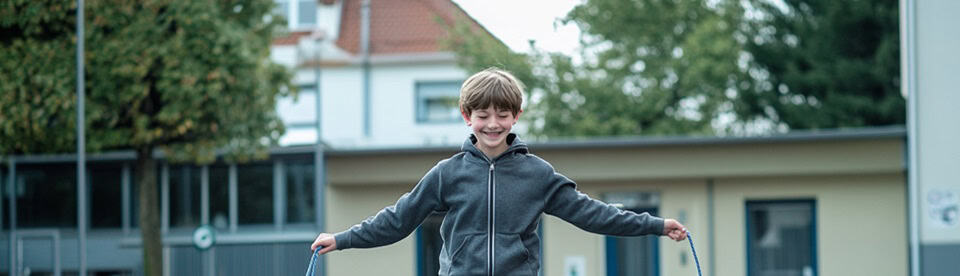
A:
[300, 14]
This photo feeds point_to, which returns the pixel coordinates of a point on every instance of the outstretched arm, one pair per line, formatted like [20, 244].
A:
[569, 204]
[391, 224]
[598, 217]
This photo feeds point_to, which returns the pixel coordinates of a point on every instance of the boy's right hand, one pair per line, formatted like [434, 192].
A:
[326, 241]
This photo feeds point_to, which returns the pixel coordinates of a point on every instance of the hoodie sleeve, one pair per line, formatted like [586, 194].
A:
[569, 204]
[395, 222]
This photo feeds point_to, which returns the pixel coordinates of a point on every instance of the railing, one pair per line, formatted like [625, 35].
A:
[54, 236]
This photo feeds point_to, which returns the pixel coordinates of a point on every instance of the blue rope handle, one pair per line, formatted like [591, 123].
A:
[311, 270]
[690, 239]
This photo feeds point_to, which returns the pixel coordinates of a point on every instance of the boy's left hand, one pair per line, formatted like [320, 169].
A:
[673, 229]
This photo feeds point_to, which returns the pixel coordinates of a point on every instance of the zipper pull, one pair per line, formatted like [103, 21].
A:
[491, 167]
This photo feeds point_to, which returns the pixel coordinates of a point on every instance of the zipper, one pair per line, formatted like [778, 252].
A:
[491, 220]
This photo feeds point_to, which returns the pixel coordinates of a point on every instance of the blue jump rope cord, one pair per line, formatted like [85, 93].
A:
[313, 262]
[690, 239]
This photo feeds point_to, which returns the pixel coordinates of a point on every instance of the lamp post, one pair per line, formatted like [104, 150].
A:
[320, 172]
[81, 150]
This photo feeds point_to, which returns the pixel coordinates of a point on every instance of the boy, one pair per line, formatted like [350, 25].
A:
[493, 193]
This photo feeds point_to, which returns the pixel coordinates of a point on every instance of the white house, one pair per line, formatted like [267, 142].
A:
[386, 82]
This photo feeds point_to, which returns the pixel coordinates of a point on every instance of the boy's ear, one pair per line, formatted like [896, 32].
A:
[517, 118]
[466, 117]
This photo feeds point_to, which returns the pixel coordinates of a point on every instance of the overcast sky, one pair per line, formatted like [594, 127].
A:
[515, 22]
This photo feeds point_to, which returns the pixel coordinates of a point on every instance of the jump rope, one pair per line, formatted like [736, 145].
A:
[695, 259]
[311, 270]
[313, 260]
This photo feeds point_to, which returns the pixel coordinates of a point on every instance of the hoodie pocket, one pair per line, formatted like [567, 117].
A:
[470, 256]
[513, 257]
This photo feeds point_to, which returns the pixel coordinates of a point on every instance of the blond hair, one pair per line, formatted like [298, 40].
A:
[492, 86]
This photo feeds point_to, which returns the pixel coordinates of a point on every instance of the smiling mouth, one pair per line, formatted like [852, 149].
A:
[493, 133]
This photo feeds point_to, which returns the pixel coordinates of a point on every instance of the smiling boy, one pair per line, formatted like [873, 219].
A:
[493, 193]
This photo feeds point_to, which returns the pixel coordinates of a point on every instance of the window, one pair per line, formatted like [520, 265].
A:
[299, 181]
[220, 196]
[633, 255]
[429, 243]
[781, 238]
[300, 14]
[255, 193]
[46, 195]
[184, 196]
[299, 112]
[307, 13]
[105, 198]
[437, 102]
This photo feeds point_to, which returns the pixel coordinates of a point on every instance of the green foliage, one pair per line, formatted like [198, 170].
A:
[189, 77]
[824, 64]
[695, 67]
[649, 67]
[477, 50]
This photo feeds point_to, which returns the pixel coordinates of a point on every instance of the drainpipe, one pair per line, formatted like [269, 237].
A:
[908, 75]
[365, 63]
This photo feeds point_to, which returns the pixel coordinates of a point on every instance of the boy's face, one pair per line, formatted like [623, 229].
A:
[491, 127]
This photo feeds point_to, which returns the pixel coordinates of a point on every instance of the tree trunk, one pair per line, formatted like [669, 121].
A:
[146, 175]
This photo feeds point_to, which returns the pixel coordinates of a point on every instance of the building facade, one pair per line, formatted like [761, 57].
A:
[385, 78]
[839, 202]
[825, 203]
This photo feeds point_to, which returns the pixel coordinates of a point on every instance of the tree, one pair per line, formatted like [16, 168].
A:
[647, 67]
[185, 77]
[823, 64]
[696, 67]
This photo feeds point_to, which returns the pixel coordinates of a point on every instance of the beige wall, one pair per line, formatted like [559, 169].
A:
[858, 186]
[562, 239]
[861, 220]
[348, 206]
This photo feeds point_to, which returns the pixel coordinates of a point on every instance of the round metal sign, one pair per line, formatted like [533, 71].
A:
[204, 237]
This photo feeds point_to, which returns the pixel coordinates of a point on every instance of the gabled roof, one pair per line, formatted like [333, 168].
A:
[400, 27]
[291, 38]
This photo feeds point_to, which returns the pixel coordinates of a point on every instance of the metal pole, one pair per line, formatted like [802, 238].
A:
[125, 198]
[908, 74]
[12, 201]
[205, 215]
[232, 192]
[279, 195]
[365, 54]
[81, 148]
[319, 168]
[165, 199]
[205, 195]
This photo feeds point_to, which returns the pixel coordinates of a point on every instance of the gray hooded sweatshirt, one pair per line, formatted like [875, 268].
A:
[492, 211]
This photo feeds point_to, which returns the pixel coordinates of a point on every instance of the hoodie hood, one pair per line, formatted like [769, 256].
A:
[515, 145]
